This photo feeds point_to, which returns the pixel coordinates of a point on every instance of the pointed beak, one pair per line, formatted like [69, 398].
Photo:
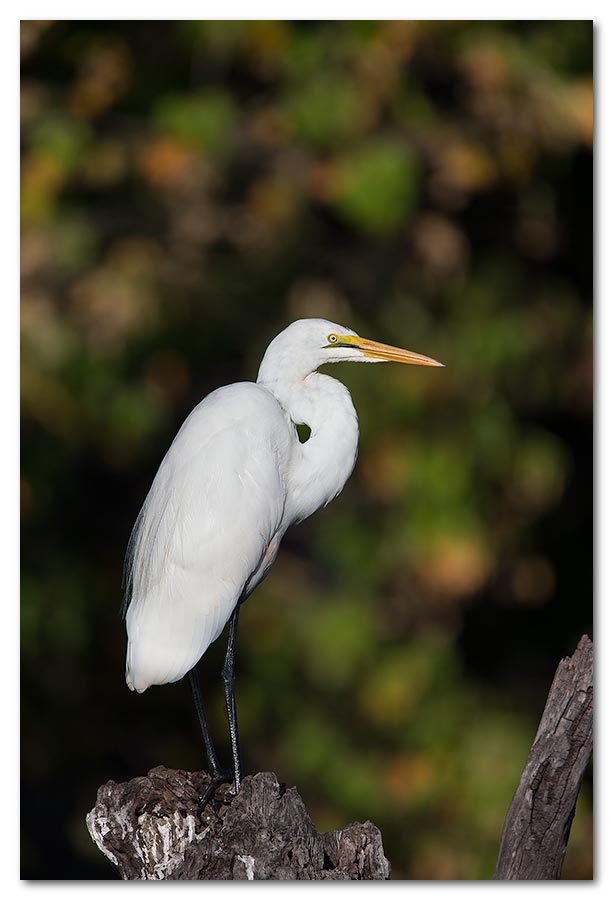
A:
[385, 353]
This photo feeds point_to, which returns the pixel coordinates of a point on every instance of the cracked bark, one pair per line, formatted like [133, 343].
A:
[538, 822]
[152, 828]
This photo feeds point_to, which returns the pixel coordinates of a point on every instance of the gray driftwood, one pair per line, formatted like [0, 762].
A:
[152, 828]
[537, 825]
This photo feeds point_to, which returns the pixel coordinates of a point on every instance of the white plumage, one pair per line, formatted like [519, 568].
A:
[234, 479]
[215, 505]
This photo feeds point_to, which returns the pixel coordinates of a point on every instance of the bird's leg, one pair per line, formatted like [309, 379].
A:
[227, 676]
[218, 775]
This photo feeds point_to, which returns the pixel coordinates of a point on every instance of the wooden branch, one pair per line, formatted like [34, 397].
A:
[537, 825]
[152, 828]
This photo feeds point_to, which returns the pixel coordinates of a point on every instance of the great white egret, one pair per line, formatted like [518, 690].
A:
[234, 479]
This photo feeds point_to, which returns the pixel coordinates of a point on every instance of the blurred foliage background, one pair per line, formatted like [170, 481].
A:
[188, 188]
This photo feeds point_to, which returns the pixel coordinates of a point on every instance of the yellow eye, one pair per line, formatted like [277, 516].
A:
[332, 338]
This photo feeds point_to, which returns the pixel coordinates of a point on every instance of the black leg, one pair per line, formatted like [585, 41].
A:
[212, 758]
[227, 676]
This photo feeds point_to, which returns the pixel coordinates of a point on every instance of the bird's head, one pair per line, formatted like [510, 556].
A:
[307, 344]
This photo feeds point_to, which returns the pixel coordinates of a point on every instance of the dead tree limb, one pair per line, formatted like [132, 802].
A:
[153, 828]
[537, 825]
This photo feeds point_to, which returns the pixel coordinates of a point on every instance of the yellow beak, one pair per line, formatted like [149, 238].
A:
[375, 350]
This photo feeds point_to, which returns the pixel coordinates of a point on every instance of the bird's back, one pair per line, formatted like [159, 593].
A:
[216, 503]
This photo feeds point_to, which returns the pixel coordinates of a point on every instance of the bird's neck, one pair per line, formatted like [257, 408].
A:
[320, 466]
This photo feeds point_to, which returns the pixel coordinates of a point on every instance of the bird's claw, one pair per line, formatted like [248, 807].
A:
[223, 776]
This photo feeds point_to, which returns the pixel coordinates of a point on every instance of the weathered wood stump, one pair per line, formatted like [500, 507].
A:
[153, 828]
[537, 825]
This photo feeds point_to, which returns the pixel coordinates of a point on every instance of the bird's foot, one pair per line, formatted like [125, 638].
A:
[222, 776]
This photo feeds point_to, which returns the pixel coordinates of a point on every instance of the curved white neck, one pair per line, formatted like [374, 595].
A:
[320, 467]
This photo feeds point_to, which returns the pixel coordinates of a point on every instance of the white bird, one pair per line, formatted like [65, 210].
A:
[234, 479]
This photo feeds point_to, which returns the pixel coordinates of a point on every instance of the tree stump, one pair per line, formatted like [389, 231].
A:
[152, 828]
[537, 825]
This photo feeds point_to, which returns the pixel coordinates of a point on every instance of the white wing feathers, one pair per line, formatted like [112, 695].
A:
[214, 507]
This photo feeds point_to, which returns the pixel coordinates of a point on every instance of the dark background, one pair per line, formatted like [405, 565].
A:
[188, 188]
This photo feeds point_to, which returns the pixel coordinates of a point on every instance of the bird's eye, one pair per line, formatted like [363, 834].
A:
[332, 338]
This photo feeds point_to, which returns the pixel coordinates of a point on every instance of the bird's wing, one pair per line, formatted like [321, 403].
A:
[214, 506]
